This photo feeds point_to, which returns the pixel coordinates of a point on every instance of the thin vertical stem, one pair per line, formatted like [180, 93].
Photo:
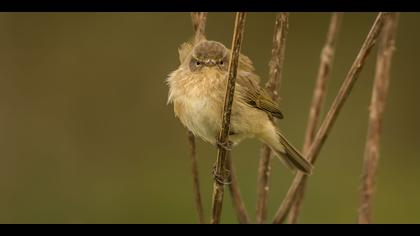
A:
[320, 91]
[221, 166]
[199, 20]
[275, 74]
[238, 203]
[199, 24]
[332, 115]
[196, 179]
[376, 110]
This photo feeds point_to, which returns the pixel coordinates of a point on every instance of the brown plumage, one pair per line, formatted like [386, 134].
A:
[197, 90]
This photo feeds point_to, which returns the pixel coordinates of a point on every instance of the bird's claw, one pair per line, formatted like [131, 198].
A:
[225, 145]
[221, 178]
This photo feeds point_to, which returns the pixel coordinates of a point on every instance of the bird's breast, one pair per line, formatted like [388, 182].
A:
[199, 102]
[200, 114]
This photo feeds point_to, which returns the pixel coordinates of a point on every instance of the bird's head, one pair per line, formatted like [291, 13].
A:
[209, 54]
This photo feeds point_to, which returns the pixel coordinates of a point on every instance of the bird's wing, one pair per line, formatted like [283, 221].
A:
[252, 93]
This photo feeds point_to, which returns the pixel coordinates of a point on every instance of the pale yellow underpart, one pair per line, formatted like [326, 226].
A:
[198, 100]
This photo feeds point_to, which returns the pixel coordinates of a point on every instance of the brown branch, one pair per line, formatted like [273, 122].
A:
[320, 91]
[196, 179]
[220, 168]
[331, 116]
[377, 106]
[272, 85]
[199, 24]
[238, 203]
[277, 54]
[199, 19]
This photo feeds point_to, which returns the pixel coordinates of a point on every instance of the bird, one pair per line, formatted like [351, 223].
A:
[197, 90]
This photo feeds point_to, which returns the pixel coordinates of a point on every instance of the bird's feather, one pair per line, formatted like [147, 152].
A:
[292, 155]
[252, 93]
[184, 50]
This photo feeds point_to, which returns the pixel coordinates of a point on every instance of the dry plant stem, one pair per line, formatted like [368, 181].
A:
[199, 24]
[263, 184]
[199, 20]
[273, 84]
[326, 62]
[331, 116]
[238, 203]
[277, 54]
[376, 110]
[320, 91]
[196, 179]
[220, 170]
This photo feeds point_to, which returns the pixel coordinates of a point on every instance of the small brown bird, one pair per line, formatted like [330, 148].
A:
[197, 90]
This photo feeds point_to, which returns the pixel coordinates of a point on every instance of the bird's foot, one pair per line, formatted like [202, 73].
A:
[221, 178]
[225, 145]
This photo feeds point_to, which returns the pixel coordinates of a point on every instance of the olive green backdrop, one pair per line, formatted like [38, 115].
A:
[86, 135]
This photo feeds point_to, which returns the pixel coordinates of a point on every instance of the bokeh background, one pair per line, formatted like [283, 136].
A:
[86, 135]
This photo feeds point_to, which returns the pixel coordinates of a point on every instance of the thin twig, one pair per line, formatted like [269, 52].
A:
[272, 85]
[199, 24]
[199, 20]
[238, 203]
[277, 54]
[220, 170]
[196, 179]
[331, 116]
[376, 110]
[320, 91]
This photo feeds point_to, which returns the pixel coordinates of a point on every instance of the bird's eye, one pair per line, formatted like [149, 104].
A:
[221, 63]
[197, 63]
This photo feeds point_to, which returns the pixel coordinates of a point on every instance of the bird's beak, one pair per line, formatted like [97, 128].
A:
[210, 62]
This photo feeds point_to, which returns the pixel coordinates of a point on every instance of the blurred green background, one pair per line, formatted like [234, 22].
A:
[86, 135]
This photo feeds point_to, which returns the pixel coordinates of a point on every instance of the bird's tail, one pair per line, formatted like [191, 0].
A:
[291, 155]
[287, 154]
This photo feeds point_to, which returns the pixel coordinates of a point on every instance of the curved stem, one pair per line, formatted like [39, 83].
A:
[331, 116]
[320, 91]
